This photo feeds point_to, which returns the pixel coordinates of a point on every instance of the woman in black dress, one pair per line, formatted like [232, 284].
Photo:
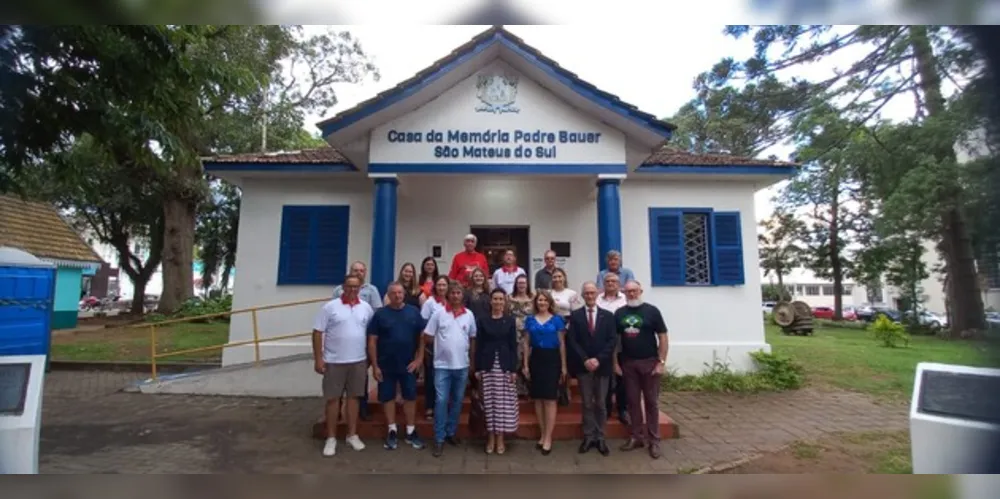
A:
[496, 370]
[477, 296]
[545, 363]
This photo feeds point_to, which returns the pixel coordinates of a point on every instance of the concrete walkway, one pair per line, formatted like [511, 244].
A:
[91, 426]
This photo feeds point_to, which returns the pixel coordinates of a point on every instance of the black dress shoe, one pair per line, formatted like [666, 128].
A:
[454, 441]
[602, 447]
[586, 445]
[545, 451]
[438, 449]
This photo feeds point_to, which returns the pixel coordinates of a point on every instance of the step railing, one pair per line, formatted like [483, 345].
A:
[256, 341]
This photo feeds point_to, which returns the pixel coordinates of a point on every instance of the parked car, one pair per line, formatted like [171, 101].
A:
[891, 314]
[849, 314]
[768, 306]
[823, 313]
[993, 320]
[930, 319]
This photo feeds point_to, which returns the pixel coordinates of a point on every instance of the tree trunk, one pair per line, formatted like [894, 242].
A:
[836, 266]
[956, 245]
[139, 296]
[178, 252]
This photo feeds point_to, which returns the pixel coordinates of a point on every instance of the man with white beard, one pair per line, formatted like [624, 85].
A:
[643, 344]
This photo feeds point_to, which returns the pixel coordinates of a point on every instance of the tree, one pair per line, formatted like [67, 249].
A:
[827, 190]
[183, 88]
[898, 61]
[779, 246]
[742, 122]
[103, 200]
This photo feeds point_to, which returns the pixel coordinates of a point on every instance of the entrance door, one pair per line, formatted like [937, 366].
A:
[494, 241]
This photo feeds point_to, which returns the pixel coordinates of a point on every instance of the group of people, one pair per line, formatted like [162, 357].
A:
[512, 338]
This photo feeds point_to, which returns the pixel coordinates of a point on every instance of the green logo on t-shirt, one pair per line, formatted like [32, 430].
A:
[632, 323]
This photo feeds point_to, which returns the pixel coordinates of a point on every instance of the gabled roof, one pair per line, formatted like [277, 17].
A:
[492, 36]
[38, 229]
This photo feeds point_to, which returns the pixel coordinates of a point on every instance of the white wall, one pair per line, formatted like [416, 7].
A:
[257, 258]
[706, 323]
[435, 210]
[538, 109]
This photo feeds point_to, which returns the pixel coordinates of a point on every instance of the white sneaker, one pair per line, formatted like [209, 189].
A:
[355, 442]
[330, 448]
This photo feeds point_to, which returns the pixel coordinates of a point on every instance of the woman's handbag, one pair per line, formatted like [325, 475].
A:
[563, 394]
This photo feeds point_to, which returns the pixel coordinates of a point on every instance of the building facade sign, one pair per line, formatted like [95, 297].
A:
[497, 116]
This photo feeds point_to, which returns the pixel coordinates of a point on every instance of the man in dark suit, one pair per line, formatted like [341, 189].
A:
[591, 336]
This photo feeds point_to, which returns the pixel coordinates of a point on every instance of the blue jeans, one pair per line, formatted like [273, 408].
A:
[449, 385]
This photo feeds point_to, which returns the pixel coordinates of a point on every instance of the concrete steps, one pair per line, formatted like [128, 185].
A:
[568, 421]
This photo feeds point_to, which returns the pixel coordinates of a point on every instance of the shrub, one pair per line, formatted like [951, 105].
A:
[774, 373]
[888, 333]
[199, 306]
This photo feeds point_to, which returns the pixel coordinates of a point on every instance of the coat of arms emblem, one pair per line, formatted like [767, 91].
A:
[497, 94]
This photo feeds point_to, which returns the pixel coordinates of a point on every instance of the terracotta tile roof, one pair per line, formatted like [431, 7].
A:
[38, 229]
[485, 36]
[669, 156]
[304, 156]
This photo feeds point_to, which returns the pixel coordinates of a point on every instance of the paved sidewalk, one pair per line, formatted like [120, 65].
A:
[89, 426]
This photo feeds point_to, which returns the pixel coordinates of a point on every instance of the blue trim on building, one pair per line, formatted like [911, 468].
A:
[287, 166]
[567, 78]
[720, 169]
[609, 219]
[504, 168]
[383, 258]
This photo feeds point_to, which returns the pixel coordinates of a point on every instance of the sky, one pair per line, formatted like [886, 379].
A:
[652, 69]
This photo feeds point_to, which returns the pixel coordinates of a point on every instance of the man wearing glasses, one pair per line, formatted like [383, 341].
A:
[543, 278]
[643, 342]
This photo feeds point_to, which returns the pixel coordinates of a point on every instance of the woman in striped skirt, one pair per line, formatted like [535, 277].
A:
[496, 370]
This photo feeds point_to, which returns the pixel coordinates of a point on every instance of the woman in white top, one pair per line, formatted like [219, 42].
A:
[566, 300]
[505, 276]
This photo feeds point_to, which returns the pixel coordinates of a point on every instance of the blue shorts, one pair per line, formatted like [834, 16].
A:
[407, 386]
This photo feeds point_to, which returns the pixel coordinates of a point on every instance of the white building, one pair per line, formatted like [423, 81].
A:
[498, 140]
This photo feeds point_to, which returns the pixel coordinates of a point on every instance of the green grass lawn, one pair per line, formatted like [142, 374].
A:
[133, 344]
[850, 359]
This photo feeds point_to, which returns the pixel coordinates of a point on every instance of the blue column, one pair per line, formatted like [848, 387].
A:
[383, 261]
[609, 219]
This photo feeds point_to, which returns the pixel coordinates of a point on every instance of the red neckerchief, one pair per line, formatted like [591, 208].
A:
[454, 311]
[439, 300]
[343, 299]
[510, 269]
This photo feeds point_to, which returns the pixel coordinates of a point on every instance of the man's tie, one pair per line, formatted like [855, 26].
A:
[590, 320]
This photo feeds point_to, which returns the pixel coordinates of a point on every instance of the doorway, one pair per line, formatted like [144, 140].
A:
[493, 241]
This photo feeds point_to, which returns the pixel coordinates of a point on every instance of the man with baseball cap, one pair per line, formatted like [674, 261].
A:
[467, 260]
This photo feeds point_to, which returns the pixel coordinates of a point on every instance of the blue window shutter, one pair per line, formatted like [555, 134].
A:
[313, 248]
[727, 249]
[666, 242]
[330, 255]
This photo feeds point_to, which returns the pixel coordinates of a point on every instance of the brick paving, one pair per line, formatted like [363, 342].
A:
[90, 426]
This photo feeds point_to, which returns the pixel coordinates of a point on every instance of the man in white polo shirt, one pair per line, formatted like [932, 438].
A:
[452, 330]
[340, 352]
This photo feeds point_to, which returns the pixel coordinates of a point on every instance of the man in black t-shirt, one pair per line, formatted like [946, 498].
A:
[642, 337]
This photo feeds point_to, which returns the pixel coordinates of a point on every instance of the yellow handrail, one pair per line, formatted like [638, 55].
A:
[234, 312]
[256, 341]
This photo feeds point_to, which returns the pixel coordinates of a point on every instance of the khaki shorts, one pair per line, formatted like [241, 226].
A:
[341, 378]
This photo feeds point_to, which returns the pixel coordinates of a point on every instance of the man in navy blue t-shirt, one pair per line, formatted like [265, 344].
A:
[396, 352]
